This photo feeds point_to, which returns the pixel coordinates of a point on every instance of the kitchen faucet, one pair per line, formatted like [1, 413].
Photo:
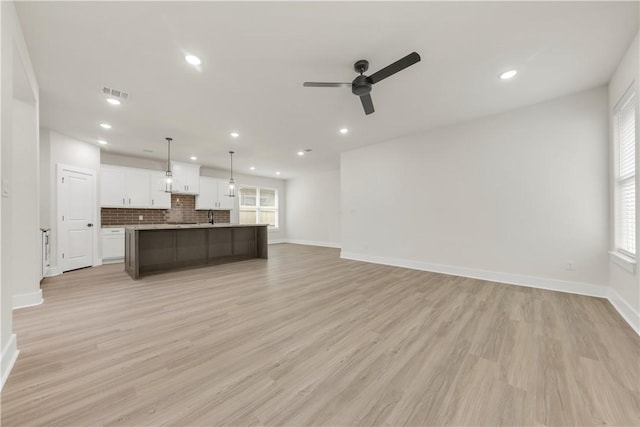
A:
[210, 216]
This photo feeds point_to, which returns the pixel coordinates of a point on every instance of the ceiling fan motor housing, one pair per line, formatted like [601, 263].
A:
[360, 86]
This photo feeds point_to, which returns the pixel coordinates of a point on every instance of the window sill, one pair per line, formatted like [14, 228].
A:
[623, 261]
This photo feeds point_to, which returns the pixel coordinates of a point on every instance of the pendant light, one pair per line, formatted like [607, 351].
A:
[232, 182]
[168, 183]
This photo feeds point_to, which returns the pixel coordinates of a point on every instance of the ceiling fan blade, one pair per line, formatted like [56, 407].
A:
[367, 103]
[321, 84]
[390, 70]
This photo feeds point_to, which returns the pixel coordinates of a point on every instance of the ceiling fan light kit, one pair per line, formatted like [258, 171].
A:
[362, 84]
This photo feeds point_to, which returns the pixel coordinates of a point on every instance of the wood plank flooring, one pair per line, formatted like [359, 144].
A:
[306, 338]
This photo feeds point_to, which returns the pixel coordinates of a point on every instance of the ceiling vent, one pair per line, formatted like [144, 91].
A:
[115, 93]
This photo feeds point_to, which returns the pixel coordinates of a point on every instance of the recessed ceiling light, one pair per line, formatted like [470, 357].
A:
[105, 125]
[102, 141]
[508, 74]
[113, 101]
[193, 158]
[235, 134]
[192, 59]
[300, 153]
[277, 173]
[252, 168]
[344, 130]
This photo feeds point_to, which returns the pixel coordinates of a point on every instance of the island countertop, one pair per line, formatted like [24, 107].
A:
[187, 226]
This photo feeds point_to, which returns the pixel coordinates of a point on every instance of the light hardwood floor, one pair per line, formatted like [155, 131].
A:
[306, 338]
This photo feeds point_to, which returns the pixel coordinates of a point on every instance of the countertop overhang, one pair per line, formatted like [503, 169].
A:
[188, 226]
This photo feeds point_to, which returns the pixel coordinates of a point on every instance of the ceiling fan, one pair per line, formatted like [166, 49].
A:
[361, 85]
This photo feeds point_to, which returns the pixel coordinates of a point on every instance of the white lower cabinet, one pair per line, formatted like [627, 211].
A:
[112, 245]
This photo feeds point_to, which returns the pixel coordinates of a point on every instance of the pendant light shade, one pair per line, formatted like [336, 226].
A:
[168, 183]
[232, 182]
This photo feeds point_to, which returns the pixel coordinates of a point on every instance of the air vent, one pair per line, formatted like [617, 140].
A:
[147, 151]
[115, 93]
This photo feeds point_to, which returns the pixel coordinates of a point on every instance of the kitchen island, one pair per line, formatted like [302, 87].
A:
[153, 248]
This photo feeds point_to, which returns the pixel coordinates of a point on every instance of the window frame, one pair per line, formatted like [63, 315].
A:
[258, 207]
[629, 97]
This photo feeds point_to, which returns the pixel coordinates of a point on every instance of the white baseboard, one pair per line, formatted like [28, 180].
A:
[112, 260]
[590, 289]
[8, 358]
[580, 288]
[627, 312]
[53, 271]
[276, 241]
[313, 243]
[27, 300]
[304, 242]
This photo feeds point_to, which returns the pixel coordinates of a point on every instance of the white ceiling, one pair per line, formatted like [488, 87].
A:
[256, 56]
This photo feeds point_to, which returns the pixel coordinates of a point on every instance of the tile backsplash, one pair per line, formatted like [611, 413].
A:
[183, 209]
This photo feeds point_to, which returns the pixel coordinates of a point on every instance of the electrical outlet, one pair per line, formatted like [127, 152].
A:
[571, 266]
[140, 217]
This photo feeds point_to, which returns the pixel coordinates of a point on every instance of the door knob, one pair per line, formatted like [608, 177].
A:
[89, 225]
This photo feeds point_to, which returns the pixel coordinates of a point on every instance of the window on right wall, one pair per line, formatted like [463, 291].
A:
[624, 130]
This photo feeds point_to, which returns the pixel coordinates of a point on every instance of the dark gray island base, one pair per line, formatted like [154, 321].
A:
[163, 247]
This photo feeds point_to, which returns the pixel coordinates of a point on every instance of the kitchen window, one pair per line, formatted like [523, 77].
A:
[259, 205]
[624, 130]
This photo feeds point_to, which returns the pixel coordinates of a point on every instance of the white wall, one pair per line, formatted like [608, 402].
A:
[25, 237]
[513, 197]
[132, 162]
[17, 83]
[68, 151]
[626, 284]
[314, 209]
[275, 235]
[45, 177]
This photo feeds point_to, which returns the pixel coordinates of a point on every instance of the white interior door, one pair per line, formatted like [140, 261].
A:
[76, 217]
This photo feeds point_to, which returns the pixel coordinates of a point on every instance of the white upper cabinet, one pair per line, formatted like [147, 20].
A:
[186, 178]
[160, 199]
[137, 188]
[112, 187]
[225, 202]
[123, 187]
[213, 194]
[208, 197]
